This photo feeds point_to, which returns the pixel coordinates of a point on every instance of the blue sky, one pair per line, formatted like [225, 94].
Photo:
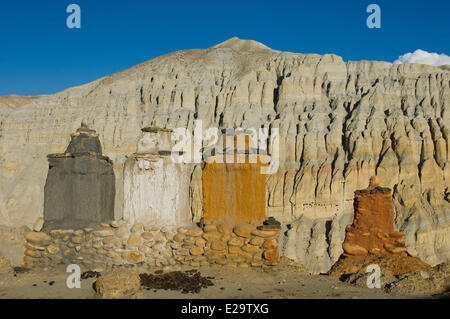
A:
[40, 55]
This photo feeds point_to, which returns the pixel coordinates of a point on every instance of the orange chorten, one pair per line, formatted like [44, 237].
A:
[373, 229]
[233, 186]
[372, 237]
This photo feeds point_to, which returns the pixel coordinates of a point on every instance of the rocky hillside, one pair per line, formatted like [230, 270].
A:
[339, 122]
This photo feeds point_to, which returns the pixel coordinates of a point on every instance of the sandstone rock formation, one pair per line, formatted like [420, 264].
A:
[119, 283]
[340, 123]
[80, 186]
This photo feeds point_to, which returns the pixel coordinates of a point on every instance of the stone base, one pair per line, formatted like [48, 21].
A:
[118, 243]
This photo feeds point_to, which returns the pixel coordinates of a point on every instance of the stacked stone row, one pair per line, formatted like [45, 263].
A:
[116, 243]
[243, 245]
[381, 243]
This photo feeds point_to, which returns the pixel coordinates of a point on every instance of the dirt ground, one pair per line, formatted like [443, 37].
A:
[233, 283]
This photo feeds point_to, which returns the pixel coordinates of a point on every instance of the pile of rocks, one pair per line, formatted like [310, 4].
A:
[421, 282]
[394, 264]
[242, 245]
[424, 282]
[117, 243]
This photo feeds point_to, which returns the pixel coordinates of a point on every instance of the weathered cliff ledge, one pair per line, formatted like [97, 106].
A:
[340, 123]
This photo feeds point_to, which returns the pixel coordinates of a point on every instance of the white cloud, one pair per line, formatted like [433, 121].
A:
[423, 57]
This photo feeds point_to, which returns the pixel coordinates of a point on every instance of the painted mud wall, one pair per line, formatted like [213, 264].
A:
[233, 193]
[233, 185]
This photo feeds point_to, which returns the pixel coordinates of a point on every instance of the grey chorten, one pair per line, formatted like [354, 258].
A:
[80, 186]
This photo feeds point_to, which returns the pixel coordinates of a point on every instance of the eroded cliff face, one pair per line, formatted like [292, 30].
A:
[339, 123]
